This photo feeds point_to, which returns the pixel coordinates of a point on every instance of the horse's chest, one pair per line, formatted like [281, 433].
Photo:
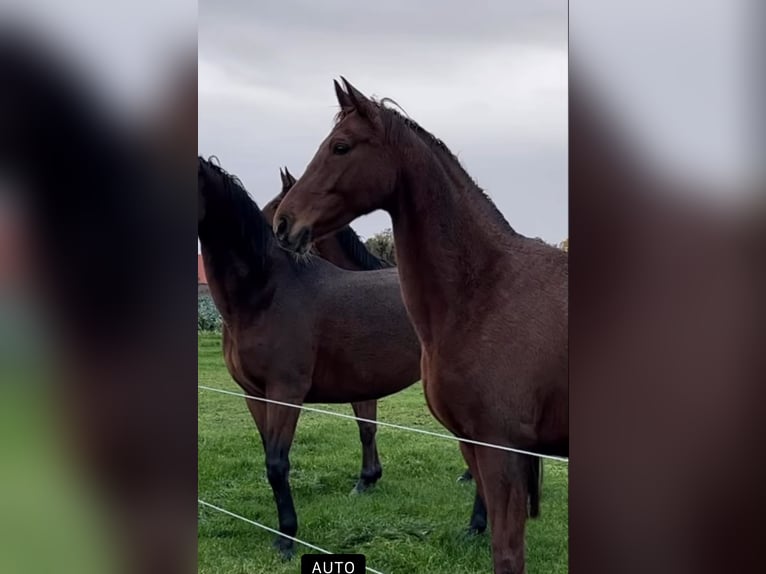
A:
[233, 362]
[240, 367]
[437, 392]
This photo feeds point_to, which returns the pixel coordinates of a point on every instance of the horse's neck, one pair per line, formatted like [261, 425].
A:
[236, 268]
[331, 250]
[224, 274]
[447, 244]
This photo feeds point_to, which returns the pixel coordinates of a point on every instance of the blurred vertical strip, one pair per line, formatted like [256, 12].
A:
[98, 142]
[666, 303]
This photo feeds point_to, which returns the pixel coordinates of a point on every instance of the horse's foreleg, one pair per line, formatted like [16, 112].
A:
[505, 482]
[258, 412]
[280, 430]
[478, 523]
[371, 469]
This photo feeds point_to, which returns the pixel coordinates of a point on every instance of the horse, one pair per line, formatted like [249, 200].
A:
[344, 249]
[297, 330]
[489, 305]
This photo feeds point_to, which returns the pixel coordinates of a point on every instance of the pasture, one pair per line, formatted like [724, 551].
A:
[414, 521]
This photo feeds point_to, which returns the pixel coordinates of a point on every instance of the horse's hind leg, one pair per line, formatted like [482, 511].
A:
[280, 430]
[504, 478]
[371, 469]
[467, 476]
[478, 523]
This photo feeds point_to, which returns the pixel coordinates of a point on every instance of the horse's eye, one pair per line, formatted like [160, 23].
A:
[340, 148]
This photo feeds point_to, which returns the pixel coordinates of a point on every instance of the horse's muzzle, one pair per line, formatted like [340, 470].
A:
[297, 242]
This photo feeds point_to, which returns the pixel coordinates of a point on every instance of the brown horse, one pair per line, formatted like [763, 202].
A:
[488, 304]
[344, 249]
[298, 330]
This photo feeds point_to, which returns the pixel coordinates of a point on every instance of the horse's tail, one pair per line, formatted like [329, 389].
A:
[534, 484]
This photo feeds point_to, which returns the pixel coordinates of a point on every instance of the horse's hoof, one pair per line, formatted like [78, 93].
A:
[361, 487]
[477, 526]
[465, 477]
[285, 547]
[476, 530]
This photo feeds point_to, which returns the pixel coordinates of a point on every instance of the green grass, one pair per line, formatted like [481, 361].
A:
[412, 522]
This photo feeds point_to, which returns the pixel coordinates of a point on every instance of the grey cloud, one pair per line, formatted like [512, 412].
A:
[428, 21]
[490, 82]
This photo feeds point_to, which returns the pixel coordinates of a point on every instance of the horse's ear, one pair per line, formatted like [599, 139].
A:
[289, 179]
[344, 101]
[358, 100]
[355, 95]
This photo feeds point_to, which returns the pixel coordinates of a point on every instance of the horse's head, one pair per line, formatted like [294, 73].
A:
[352, 173]
[270, 209]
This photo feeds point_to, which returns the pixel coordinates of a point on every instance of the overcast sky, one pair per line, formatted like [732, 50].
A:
[490, 81]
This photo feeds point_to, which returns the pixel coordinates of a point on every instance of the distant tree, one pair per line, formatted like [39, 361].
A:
[382, 245]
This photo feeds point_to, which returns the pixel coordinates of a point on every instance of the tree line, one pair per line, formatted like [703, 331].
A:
[382, 245]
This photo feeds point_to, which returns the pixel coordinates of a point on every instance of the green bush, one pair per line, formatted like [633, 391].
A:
[382, 245]
[208, 317]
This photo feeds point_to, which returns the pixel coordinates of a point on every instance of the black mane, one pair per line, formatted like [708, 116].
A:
[232, 219]
[355, 250]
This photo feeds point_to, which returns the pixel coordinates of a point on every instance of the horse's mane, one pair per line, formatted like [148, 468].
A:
[237, 218]
[353, 247]
[394, 120]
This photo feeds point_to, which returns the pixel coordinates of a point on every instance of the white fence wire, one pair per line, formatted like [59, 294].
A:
[385, 424]
[267, 528]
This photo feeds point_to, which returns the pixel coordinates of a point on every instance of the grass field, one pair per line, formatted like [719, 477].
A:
[412, 522]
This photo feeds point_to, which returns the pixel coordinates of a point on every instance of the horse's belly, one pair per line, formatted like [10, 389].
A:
[347, 386]
[355, 377]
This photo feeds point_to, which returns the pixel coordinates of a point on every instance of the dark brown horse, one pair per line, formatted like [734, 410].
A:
[344, 249]
[488, 304]
[297, 330]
